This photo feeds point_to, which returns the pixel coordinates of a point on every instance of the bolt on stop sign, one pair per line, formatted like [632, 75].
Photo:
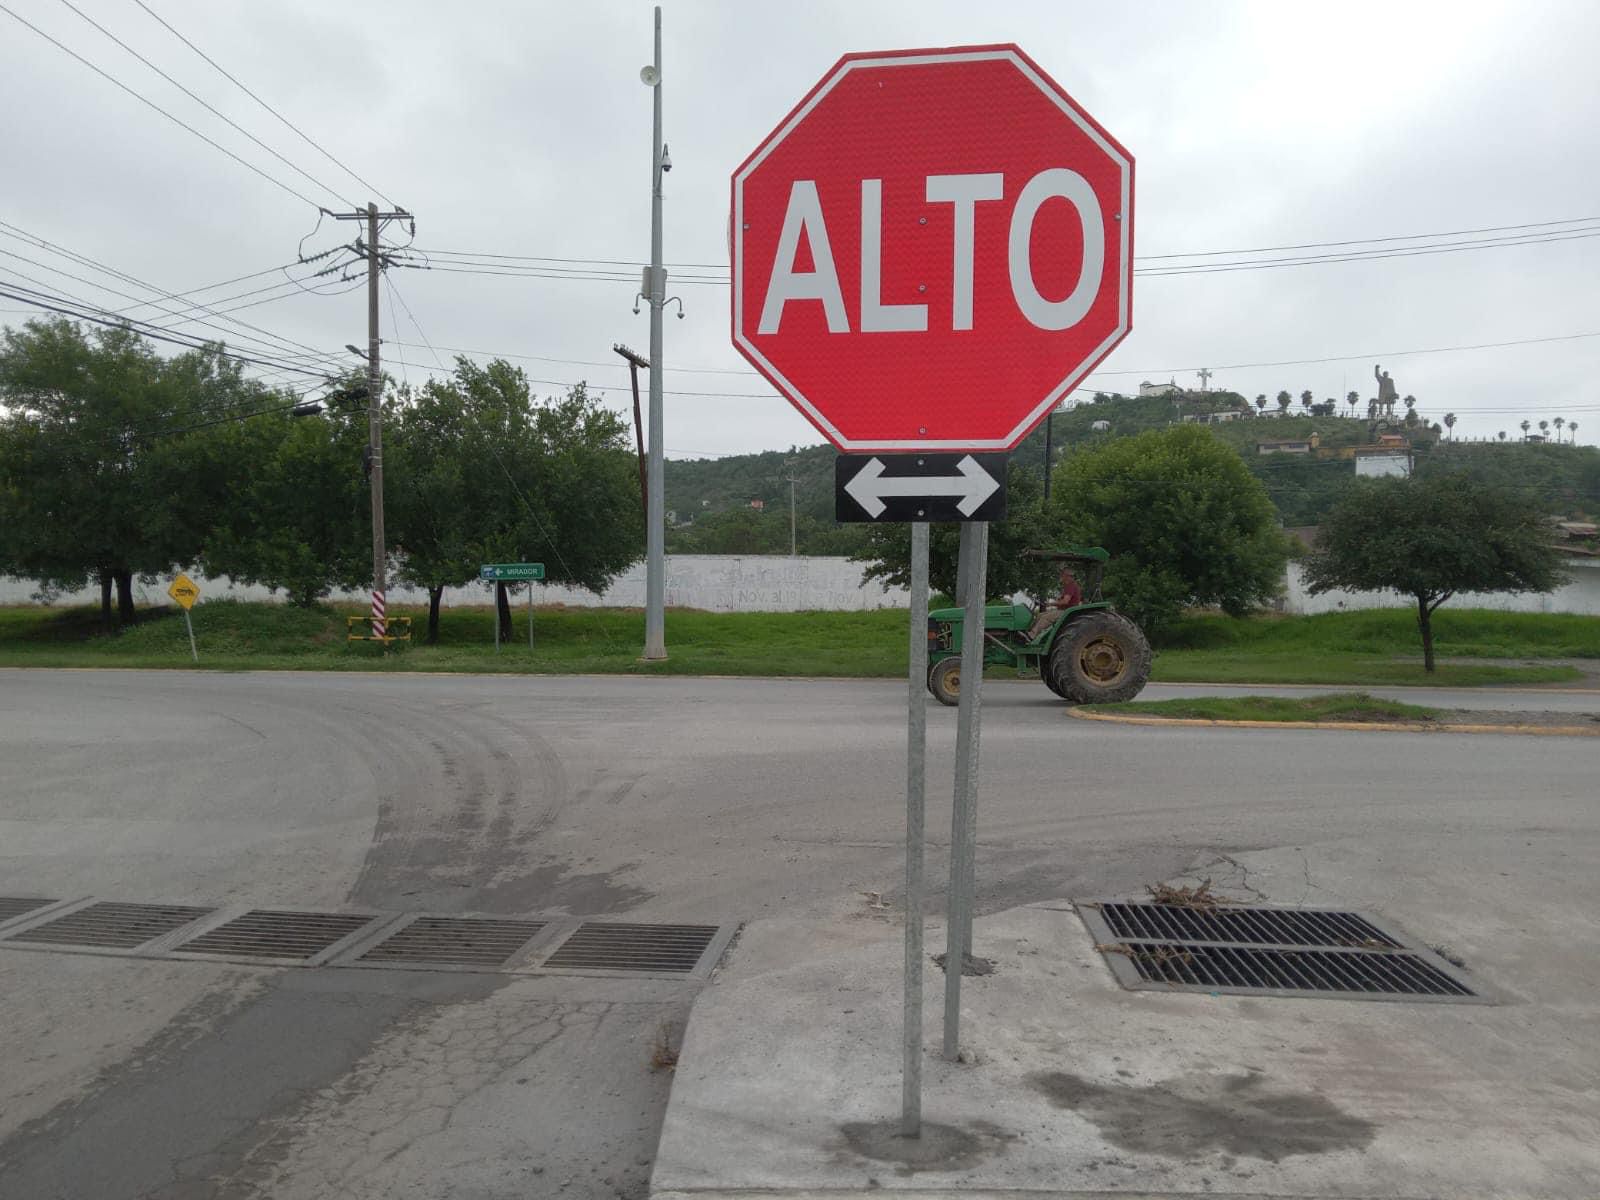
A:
[932, 250]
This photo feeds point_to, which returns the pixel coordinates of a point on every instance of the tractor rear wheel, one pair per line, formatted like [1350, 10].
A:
[944, 680]
[1099, 658]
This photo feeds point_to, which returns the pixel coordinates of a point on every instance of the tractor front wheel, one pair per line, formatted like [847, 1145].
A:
[1099, 658]
[944, 680]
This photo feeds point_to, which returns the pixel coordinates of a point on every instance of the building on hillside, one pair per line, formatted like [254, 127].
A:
[1215, 418]
[1579, 539]
[1383, 460]
[1306, 535]
[1170, 388]
[758, 505]
[1290, 445]
[1100, 427]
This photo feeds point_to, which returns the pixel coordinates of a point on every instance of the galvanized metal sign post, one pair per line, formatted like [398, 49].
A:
[186, 591]
[930, 252]
[916, 812]
[507, 573]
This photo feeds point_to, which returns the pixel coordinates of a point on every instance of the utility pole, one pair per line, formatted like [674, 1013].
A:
[375, 263]
[1049, 425]
[790, 477]
[655, 644]
[636, 361]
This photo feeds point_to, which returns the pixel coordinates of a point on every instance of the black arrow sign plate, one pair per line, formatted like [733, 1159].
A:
[880, 488]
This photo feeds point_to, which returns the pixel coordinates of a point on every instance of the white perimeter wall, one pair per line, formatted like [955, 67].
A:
[717, 582]
[1581, 595]
[770, 583]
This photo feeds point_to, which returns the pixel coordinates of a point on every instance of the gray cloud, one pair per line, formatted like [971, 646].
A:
[523, 129]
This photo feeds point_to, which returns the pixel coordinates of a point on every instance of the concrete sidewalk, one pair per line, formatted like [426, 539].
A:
[789, 1081]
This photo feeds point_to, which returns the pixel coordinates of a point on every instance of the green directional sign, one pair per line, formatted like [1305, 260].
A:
[509, 571]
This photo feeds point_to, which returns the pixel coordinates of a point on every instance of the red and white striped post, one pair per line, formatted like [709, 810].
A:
[380, 626]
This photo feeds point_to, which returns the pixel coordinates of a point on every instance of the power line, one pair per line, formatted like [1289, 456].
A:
[272, 342]
[533, 274]
[1404, 237]
[54, 303]
[1352, 255]
[1373, 355]
[142, 99]
[307, 138]
[1370, 256]
[603, 275]
[200, 100]
[582, 362]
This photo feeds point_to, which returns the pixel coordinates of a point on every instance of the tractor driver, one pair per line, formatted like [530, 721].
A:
[1071, 596]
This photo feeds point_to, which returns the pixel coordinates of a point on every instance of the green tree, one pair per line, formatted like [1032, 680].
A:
[97, 437]
[1284, 400]
[1352, 399]
[1432, 537]
[887, 551]
[296, 515]
[567, 478]
[1306, 397]
[1184, 519]
[1261, 402]
[1450, 423]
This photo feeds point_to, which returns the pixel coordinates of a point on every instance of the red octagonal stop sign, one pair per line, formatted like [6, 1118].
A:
[932, 250]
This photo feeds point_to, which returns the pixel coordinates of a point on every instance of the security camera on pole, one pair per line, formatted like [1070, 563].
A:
[930, 252]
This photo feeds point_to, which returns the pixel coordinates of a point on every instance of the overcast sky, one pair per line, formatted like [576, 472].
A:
[522, 129]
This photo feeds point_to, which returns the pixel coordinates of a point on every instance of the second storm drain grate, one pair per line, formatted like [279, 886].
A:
[1254, 950]
[454, 941]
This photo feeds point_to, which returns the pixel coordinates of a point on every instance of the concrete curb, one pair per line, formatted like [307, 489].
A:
[1379, 726]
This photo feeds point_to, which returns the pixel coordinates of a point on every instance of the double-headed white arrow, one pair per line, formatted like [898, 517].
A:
[974, 485]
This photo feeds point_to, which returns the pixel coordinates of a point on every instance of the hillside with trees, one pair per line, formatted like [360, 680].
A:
[712, 498]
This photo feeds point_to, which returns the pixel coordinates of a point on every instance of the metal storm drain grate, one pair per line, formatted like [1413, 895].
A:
[458, 941]
[112, 925]
[267, 933]
[607, 946]
[1245, 926]
[1251, 950]
[16, 906]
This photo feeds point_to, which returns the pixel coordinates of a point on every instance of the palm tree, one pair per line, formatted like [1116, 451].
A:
[1261, 402]
[1450, 424]
[1560, 421]
[1525, 430]
[1284, 400]
[1305, 399]
[1502, 435]
[1544, 428]
[1572, 428]
[1352, 399]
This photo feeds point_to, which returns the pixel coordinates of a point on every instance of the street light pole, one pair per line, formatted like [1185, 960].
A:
[655, 645]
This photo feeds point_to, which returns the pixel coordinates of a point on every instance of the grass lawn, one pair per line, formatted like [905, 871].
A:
[248, 636]
[1375, 646]
[1352, 706]
[1366, 648]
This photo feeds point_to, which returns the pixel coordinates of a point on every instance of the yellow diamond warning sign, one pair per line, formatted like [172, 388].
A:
[185, 591]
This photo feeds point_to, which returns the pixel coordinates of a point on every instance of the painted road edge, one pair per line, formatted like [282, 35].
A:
[1380, 726]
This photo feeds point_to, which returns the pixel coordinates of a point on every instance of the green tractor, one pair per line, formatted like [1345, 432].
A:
[1086, 653]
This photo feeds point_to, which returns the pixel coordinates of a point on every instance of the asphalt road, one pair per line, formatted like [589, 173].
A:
[661, 799]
